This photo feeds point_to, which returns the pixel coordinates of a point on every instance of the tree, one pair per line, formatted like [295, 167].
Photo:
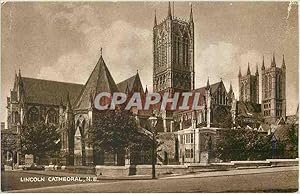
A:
[40, 139]
[225, 121]
[231, 145]
[10, 142]
[117, 131]
[292, 141]
[245, 144]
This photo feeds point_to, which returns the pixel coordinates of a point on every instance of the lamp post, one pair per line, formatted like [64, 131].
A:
[153, 122]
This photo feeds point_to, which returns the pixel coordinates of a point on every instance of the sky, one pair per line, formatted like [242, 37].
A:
[62, 41]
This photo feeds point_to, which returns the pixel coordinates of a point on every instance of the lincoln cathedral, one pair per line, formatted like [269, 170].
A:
[187, 134]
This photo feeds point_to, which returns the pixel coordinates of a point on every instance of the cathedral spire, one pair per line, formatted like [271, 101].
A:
[248, 70]
[191, 14]
[155, 21]
[207, 84]
[263, 63]
[283, 62]
[169, 11]
[273, 63]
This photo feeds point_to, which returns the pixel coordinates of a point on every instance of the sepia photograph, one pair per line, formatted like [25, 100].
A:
[149, 96]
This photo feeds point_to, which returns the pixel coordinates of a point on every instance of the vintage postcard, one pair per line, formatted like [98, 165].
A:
[149, 96]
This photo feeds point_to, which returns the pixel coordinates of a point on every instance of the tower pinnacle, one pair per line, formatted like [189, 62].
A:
[273, 63]
[283, 62]
[263, 63]
[191, 14]
[240, 73]
[169, 11]
[207, 84]
[248, 70]
[155, 21]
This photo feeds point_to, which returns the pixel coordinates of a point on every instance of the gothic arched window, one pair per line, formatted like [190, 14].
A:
[220, 96]
[187, 52]
[270, 85]
[183, 51]
[242, 91]
[162, 52]
[278, 87]
[174, 50]
[246, 86]
[178, 51]
[266, 86]
[33, 115]
[159, 55]
[15, 117]
[52, 116]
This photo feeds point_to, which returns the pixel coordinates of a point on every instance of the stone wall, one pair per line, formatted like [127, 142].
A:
[161, 169]
[113, 171]
[127, 170]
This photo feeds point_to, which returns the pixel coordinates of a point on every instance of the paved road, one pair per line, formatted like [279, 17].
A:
[266, 181]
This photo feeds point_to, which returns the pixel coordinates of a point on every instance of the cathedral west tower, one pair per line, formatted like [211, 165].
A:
[273, 91]
[173, 54]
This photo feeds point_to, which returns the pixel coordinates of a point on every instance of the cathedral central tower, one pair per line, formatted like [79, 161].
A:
[173, 54]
